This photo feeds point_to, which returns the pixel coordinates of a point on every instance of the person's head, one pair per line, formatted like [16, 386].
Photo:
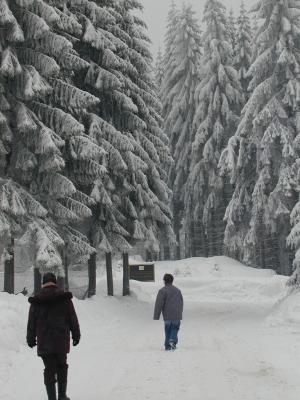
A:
[49, 277]
[168, 279]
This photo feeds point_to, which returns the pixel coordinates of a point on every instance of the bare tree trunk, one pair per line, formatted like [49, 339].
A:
[9, 268]
[37, 277]
[109, 275]
[92, 269]
[66, 269]
[126, 288]
[61, 282]
[148, 256]
[284, 261]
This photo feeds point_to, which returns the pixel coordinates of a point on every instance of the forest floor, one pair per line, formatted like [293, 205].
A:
[239, 340]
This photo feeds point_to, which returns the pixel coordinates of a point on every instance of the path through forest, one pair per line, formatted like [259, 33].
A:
[225, 352]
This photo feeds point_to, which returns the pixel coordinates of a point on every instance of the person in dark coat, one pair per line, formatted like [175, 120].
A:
[169, 302]
[51, 319]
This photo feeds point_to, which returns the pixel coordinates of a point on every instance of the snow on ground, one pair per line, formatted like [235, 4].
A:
[239, 340]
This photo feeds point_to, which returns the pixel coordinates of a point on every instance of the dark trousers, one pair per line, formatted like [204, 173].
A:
[56, 367]
[171, 332]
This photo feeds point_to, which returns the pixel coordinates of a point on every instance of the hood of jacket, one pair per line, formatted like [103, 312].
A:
[50, 295]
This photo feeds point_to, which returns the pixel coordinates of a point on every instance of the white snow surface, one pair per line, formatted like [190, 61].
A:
[239, 340]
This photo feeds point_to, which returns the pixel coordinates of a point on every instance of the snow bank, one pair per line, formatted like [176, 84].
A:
[216, 283]
[13, 315]
[287, 310]
[220, 339]
[213, 266]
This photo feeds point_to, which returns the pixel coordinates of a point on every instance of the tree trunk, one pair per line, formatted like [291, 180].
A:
[148, 256]
[9, 268]
[284, 261]
[109, 275]
[126, 288]
[204, 238]
[61, 282]
[37, 277]
[66, 269]
[92, 268]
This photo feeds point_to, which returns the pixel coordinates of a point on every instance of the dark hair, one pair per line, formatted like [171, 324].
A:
[168, 278]
[49, 277]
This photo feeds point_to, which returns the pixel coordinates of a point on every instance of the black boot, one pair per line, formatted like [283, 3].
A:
[51, 391]
[62, 390]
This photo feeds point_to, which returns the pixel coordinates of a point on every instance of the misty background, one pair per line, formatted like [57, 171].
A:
[156, 11]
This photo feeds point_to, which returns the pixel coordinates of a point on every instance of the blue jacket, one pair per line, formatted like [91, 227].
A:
[169, 302]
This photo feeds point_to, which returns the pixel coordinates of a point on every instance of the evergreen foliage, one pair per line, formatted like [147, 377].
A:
[232, 31]
[52, 153]
[130, 198]
[243, 49]
[260, 157]
[80, 130]
[181, 76]
[169, 57]
[159, 69]
[218, 100]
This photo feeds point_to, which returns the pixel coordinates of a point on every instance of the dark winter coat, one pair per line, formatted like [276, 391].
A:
[169, 302]
[51, 319]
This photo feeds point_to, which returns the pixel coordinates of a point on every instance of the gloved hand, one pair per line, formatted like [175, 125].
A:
[75, 342]
[32, 344]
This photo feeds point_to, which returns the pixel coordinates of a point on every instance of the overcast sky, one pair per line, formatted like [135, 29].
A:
[156, 11]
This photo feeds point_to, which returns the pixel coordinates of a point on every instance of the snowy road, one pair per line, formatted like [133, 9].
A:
[226, 352]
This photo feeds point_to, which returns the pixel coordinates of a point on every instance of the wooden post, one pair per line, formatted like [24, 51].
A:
[92, 268]
[9, 268]
[109, 275]
[126, 288]
[37, 277]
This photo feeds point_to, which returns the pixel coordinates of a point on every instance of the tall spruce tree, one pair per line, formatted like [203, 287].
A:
[261, 155]
[178, 90]
[169, 58]
[243, 50]
[218, 98]
[131, 202]
[151, 194]
[50, 146]
[60, 59]
[17, 206]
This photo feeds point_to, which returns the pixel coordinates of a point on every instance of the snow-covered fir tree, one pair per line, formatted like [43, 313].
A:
[254, 25]
[260, 158]
[151, 194]
[159, 69]
[181, 76]
[19, 208]
[131, 199]
[168, 57]
[243, 50]
[218, 98]
[231, 30]
[51, 148]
